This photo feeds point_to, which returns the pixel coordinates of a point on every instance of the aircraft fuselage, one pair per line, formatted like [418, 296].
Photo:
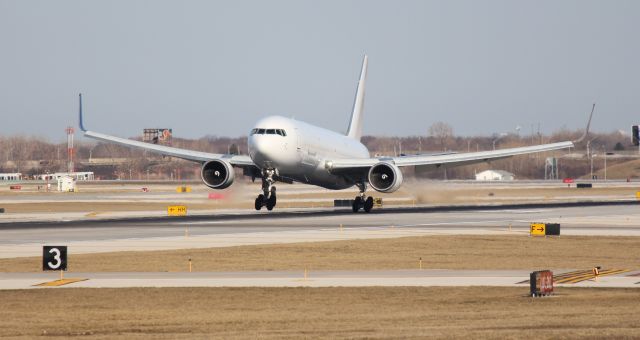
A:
[290, 146]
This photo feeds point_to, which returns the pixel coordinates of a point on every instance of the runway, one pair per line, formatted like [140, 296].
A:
[418, 278]
[95, 236]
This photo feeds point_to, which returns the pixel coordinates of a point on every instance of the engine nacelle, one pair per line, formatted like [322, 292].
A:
[385, 177]
[217, 174]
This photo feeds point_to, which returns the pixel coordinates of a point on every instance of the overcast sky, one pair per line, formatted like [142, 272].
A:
[214, 68]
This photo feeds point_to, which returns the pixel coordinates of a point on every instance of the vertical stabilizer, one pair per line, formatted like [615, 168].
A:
[355, 125]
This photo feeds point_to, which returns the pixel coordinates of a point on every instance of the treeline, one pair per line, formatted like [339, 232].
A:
[33, 155]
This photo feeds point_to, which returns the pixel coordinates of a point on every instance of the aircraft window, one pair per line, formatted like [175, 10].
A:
[271, 131]
[260, 131]
[279, 131]
[253, 132]
[283, 133]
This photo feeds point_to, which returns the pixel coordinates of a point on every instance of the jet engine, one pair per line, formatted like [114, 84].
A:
[217, 174]
[385, 177]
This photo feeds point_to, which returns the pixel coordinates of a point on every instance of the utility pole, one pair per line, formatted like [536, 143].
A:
[70, 150]
[604, 149]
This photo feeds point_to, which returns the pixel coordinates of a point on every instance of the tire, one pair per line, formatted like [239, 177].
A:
[259, 201]
[368, 204]
[271, 202]
[357, 203]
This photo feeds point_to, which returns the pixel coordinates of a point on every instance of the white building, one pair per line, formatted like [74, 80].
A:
[16, 176]
[79, 176]
[495, 175]
[66, 184]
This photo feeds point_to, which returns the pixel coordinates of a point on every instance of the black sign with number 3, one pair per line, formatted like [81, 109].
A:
[54, 258]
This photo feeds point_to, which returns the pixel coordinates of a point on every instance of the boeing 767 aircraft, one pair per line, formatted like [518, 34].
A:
[288, 150]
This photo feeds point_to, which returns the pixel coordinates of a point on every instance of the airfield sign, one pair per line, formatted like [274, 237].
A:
[54, 258]
[177, 210]
[537, 229]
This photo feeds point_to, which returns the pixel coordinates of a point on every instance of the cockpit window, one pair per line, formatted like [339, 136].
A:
[280, 132]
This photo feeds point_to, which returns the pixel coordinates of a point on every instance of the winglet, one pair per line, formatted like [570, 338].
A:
[355, 125]
[586, 130]
[80, 122]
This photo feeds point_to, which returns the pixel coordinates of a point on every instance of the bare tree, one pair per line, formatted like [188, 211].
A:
[442, 132]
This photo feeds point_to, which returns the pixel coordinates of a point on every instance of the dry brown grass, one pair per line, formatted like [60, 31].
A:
[372, 312]
[441, 252]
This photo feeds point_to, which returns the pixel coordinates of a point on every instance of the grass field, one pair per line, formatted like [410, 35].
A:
[437, 252]
[276, 313]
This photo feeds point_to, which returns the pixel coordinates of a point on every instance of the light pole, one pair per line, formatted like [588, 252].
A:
[590, 154]
[604, 150]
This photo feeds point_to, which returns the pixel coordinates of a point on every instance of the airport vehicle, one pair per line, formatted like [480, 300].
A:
[287, 150]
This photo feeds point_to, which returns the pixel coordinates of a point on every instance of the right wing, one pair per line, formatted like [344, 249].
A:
[358, 167]
[240, 161]
[443, 160]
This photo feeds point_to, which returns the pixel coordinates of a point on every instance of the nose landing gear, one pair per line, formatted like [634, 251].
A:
[268, 197]
[360, 201]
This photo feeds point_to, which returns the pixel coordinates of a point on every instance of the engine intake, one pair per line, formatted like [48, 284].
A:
[385, 177]
[217, 174]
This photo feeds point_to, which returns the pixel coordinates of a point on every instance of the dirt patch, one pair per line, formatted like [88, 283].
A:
[437, 252]
[371, 312]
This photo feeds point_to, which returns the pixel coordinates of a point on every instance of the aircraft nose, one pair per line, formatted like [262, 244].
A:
[265, 149]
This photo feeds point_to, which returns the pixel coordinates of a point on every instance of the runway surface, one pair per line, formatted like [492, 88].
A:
[496, 278]
[247, 228]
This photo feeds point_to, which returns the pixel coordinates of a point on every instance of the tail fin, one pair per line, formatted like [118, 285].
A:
[355, 126]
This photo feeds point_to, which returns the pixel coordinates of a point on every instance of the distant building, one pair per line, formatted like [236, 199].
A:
[495, 175]
[79, 176]
[16, 176]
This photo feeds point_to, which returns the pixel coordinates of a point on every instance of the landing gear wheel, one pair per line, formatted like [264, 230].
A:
[271, 202]
[357, 203]
[259, 202]
[368, 204]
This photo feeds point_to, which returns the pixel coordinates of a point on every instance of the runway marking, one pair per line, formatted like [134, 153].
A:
[58, 283]
[513, 211]
[583, 275]
[589, 275]
[461, 222]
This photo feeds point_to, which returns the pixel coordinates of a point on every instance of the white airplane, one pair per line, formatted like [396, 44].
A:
[288, 150]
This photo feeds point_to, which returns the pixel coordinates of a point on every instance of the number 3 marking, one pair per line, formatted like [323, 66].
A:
[55, 257]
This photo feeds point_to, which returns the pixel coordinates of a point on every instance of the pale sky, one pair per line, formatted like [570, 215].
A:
[214, 67]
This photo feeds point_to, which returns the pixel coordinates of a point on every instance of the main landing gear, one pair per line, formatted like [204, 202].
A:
[360, 201]
[268, 196]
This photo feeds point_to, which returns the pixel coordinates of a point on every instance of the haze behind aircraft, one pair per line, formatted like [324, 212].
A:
[287, 150]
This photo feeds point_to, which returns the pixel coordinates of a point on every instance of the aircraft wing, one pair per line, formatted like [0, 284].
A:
[241, 161]
[358, 166]
[190, 155]
[446, 160]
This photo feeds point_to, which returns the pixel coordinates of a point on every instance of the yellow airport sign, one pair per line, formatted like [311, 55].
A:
[638, 194]
[537, 229]
[177, 210]
[183, 189]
